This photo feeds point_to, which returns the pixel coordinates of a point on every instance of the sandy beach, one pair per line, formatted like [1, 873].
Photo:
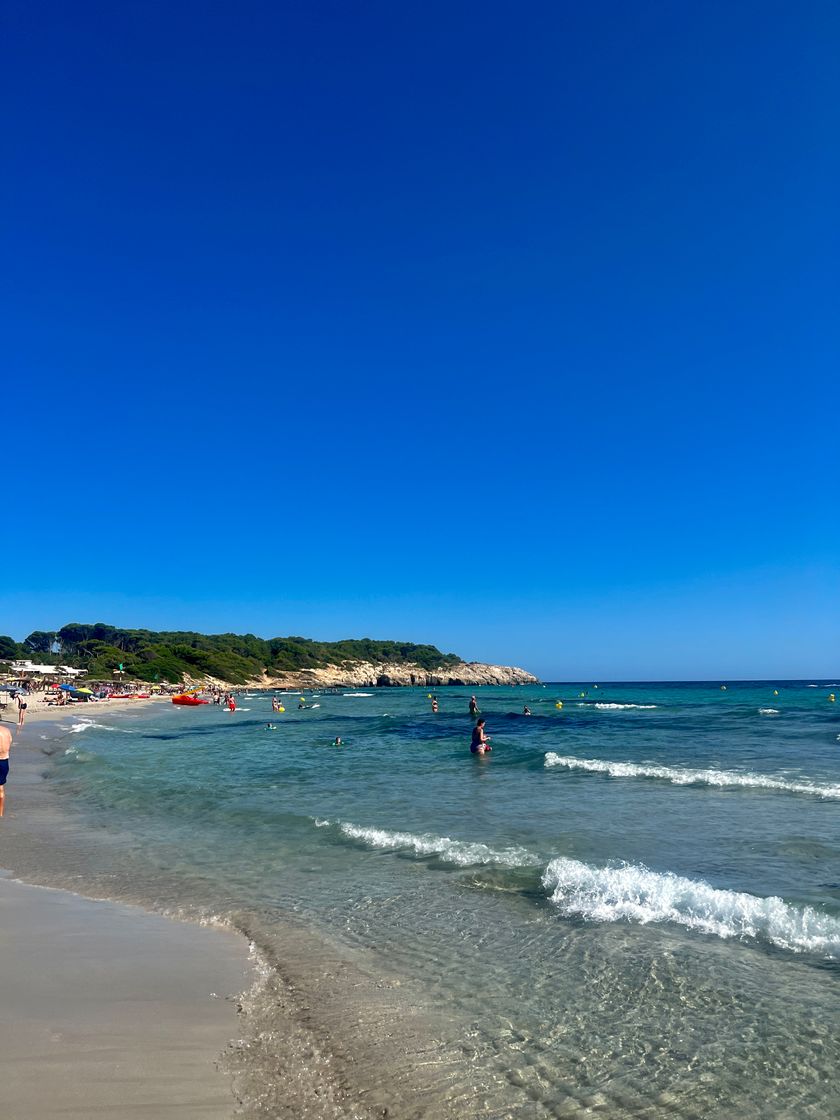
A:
[37, 709]
[107, 1009]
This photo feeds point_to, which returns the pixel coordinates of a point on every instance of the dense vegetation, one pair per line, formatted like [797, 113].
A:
[170, 655]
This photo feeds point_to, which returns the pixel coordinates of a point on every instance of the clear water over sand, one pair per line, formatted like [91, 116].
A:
[631, 908]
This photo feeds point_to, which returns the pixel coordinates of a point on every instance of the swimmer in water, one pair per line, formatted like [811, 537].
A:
[480, 742]
[526, 711]
[270, 727]
[474, 707]
[434, 704]
[337, 742]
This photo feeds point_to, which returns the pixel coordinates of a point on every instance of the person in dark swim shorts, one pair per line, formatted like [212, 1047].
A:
[5, 747]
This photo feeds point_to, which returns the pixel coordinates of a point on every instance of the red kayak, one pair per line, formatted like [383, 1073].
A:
[188, 701]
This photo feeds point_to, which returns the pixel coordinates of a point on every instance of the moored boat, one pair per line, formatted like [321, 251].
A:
[188, 700]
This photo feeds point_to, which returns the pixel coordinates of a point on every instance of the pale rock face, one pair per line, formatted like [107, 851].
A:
[389, 675]
[366, 674]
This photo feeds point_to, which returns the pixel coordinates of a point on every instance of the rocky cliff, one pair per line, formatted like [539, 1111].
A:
[367, 674]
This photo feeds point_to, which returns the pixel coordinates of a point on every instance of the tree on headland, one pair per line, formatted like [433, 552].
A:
[171, 655]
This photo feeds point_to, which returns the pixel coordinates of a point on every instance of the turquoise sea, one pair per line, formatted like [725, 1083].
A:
[630, 909]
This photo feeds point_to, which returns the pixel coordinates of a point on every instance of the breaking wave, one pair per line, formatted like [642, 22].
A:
[768, 711]
[357, 694]
[731, 779]
[633, 893]
[84, 724]
[462, 853]
[629, 892]
[620, 707]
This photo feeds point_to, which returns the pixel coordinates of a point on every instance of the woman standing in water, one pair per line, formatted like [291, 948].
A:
[480, 742]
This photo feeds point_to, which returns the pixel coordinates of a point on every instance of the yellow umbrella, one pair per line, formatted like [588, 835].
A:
[87, 691]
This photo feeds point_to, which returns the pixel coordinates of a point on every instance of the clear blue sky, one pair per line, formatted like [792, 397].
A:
[507, 327]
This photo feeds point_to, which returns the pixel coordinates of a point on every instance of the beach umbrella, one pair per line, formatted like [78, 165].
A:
[67, 687]
[87, 691]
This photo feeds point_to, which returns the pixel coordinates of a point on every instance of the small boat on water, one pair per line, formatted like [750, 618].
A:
[188, 700]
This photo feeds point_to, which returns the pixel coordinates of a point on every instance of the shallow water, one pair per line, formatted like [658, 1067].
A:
[631, 908]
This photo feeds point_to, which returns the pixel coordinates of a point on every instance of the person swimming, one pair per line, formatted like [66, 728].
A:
[526, 711]
[271, 727]
[474, 707]
[337, 742]
[480, 742]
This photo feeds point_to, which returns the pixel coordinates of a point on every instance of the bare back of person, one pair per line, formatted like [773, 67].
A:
[5, 748]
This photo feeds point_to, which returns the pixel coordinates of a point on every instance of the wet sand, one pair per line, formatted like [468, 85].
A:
[107, 1010]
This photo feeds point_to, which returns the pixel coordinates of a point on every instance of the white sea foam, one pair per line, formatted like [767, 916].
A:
[357, 694]
[619, 707]
[84, 724]
[688, 777]
[768, 711]
[463, 853]
[634, 893]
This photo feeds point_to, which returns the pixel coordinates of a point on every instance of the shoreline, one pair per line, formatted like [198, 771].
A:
[41, 712]
[110, 1009]
[287, 1043]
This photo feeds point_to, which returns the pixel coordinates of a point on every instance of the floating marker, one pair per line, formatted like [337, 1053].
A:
[559, 704]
